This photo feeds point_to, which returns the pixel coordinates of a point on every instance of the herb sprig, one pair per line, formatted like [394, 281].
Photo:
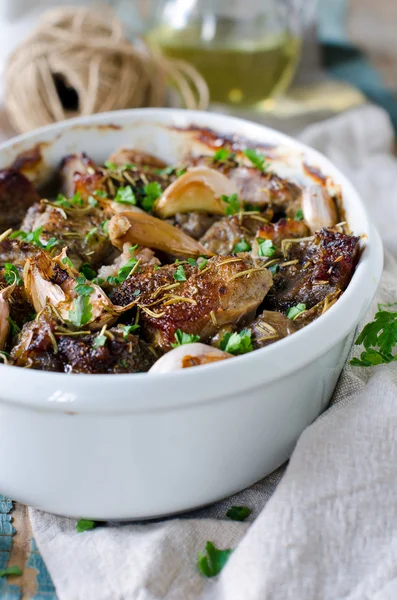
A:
[11, 274]
[212, 563]
[237, 343]
[182, 338]
[257, 158]
[378, 337]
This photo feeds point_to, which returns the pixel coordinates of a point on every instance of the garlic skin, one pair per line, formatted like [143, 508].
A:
[319, 209]
[188, 355]
[200, 189]
[5, 295]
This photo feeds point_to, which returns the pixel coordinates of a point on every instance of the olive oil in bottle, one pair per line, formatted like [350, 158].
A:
[240, 72]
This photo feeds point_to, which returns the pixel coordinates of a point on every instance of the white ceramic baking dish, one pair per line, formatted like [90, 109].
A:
[140, 446]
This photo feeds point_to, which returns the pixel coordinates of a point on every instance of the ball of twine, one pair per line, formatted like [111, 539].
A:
[78, 62]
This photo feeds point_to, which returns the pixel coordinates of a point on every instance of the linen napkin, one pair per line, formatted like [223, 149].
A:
[328, 529]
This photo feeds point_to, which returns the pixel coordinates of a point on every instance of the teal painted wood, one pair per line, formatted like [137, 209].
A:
[8, 591]
[45, 587]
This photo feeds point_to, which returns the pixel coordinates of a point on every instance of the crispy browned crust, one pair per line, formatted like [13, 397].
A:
[283, 229]
[226, 291]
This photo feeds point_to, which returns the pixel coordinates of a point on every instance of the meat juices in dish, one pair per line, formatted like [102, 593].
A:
[136, 260]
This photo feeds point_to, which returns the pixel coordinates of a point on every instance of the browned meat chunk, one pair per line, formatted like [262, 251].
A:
[226, 233]
[16, 252]
[41, 346]
[79, 229]
[225, 291]
[269, 327]
[70, 165]
[324, 264]
[129, 156]
[194, 224]
[17, 194]
[283, 229]
[260, 189]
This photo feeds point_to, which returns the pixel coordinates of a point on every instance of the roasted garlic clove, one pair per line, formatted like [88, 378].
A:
[145, 230]
[5, 313]
[188, 355]
[318, 208]
[200, 189]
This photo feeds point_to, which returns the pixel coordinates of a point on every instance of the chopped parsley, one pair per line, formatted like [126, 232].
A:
[10, 571]
[127, 329]
[378, 338]
[100, 193]
[180, 274]
[257, 159]
[195, 263]
[92, 232]
[33, 237]
[152, 191]
[182, 338]
[14, 329]
[233, 204]
[170, 171]
[111, 165]
[222, 155]
[238, 513]
[273, 269]
[125, 270]
[81, 311]
[242, 246]
[75, 202]
[100, 340]
[105, 226]
[125, 195]
[212, 563]
[87, 271]
[237, 343]
[91, 201]
[85, 525]
[83, 288]
[266, 248]
[299, 216]
[11, 274]
[66, 261]
[295, 311]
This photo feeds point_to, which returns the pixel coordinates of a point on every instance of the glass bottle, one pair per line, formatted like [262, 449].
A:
[246, 50]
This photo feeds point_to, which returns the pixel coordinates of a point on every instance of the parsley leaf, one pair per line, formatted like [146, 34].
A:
[180, 274]
[87, 271]
[111, 165]
[92, 232]
[152, 192]
[233, 204]
[273, 269]
[11, 274]
[85, 525]
[83, 288]
[183, 338]
[33, 237]
[294, 311]
[105, 226]
[212, 564]
[238, 513]
[75, 201]
[81, 311]
[100, 193]
[380, 333]
[127, 329]
[125, 195]
[237, 343]
[10, 571]
[195, 263]
[222, 155]
[242, 246]
[14, 329]
[299, 216]
[266, 247]
[257, 159]
[125, 270]
[100, 340]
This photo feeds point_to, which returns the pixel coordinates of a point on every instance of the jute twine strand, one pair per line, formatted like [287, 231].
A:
[87, 49]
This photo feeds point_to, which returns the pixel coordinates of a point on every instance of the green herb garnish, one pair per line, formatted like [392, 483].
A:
[237, 343]
[112, 166]
[92, 232]
[195, 263]
[238, 513]
[11, 274]
[152, 191]
[125, 270]
[212, 564]
[273, 269]
[66, 261]
[10, 571]
[180, 274]
[127, 329]
[294, 311]
[85, 525]
[299, 216]
[33, 237]
[83, 288]
[242, 246]
[379, 338]
[223, 155]
[257, 159]
[266, 248]
[100, 340]
[105, 226]
[100, 193]
[87, 271]
[233, 204]
[182, 338]
[75, 202]
[81, 311]
[125, 195]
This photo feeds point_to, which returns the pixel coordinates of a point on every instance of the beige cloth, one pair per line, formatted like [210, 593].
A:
[329, 530]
